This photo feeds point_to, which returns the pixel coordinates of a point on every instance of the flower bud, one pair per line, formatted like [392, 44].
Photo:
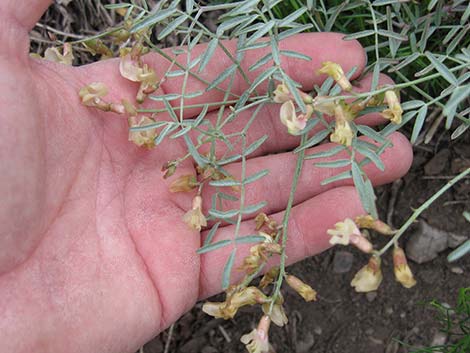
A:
[402, 271]
[367, 221]
[336, 72]
[369, 277]
[304, 290]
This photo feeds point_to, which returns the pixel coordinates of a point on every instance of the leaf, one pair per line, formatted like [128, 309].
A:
[261, 32]
[408, 60]
[360, 34]
[333, 164]
[412, 104]
[262, 77]
[329, 153]
[245, 7]
[393, 35]
[366, 152]
[293, 31]
[250, 239]
[256, 176]
[459, 94]
[212, 233]
[419, 122]
[255, 145]
[391, 127]
[222, 77]
[172, 26]
[166, 130]
[292, 17]
[201, 161]
[150, 20]
[264, 60]
[206, 57]
[459, 131]
[294, 54]
[228, 269]
[371, 133]
[341, 176]
[254, 208]
[364, 190]
[442, 69]
[213, 246]
[224, 183]
[223, 214]
[312, 141]
[459, 252]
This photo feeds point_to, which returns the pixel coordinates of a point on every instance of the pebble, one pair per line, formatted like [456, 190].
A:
[439, 339]
[306, 344]
[425, 244]
[457, 270]
[342, 261]
[438, 163]
[318, 330]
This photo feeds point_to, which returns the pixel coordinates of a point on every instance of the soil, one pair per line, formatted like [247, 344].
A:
[341, 320]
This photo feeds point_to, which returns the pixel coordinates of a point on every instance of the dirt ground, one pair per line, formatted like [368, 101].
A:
[341, 320]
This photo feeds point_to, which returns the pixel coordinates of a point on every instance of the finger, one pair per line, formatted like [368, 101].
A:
[307, 235]
[267, 122]
[275, 187]
[18, 17]
[320, 47]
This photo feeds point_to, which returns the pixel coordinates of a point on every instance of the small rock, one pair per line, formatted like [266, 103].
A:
[457, 270]
[426, 243]
[438, 163]
[306, 344]
[389, 310]
[369, 331]
[402, 315]
[318, 330]
[439, 339]
[371, 296]
[342, 262]
[455, 240]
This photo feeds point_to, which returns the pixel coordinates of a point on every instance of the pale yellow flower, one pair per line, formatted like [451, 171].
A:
[194, 218]
[402, 271]
[145, 137]
[130, 68]
[214, 309]
[335, 71]
[303, 289]
[257, 341]
[289, 118]
[323, 105]
[394, 111]
[343, 133]
[369, 277]
[343, 231]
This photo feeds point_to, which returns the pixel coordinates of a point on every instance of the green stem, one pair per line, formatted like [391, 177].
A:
[421, 209]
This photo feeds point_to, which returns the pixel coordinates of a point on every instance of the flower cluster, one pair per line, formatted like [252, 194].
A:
[343, 112]
[370, 276]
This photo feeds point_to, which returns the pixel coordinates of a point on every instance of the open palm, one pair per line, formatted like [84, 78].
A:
[93, 253]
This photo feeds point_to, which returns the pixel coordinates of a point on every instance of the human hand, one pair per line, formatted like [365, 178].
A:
[94, 255]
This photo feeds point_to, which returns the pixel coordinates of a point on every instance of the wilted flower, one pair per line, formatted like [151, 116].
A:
[394, 111]
[257, 341]
[369, 277]
[145, 137]
[402, 270]
[96, 46]
[303, 289]
[91, 94]
[369, 222]
[194, 218]
[289, 118]
[269, 277]
[343, 231]
[184, 183]
[130, 68]
[66, 57]
[336, 72]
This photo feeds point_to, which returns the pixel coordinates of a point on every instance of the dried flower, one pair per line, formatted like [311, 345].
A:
[91, 94]
[269, 277]
[194, 218]
[145, 137]
[394, 111]
[369, 222]
[66, 57]
[369, 277]
[169, 168]
[402, 271]
[290, 119]
[96, 46]
[336, 72]
[257, 341]
[304, 290]
[184, 183]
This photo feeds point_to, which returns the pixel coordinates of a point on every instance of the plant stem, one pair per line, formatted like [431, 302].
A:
[421, 209]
